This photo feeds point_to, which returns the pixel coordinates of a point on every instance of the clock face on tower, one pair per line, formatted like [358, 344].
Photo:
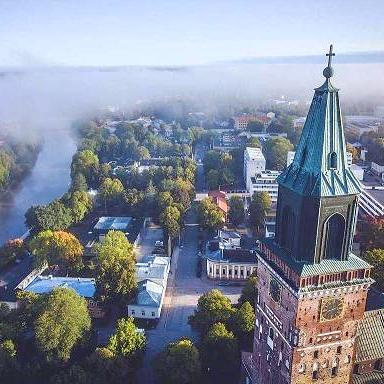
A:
[275, 290]
[331, 308]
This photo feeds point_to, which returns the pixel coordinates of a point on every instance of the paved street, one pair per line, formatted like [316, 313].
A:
[183, 291]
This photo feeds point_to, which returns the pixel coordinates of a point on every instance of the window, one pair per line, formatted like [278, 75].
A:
[230, 272]
[223, 271]
[333, 160]
[153, 314]
[315, 354]
[338, 350]
[142, 313]
[235, 272]
[315, 375]
[241, 272]
[133, 312]
[334, 229]
[287, 228]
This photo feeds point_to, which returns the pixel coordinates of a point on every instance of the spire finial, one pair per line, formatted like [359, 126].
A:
[328, 71]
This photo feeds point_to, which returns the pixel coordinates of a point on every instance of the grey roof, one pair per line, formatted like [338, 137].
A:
[150, 271]
[149, 294]
[375, 377]
[324, 267]
[107, 223]
[311, 173]
[370, 336]
[242, 256]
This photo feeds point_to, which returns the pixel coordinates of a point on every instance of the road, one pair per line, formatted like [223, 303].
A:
[183, 291]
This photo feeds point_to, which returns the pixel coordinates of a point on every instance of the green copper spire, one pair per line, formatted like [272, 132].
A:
[320, 164]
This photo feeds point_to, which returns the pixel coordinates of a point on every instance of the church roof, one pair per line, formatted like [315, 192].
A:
[320, 166]
[375, 377]
[369, 337]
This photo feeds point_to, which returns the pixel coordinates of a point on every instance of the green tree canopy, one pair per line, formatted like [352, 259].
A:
[236, 210]
[127, 341]
[220, 353]
[57, 247]
[249, 291]
[210, 215]
[212, 307]
[260, 205]
[62, 323]
[54, 216]
[376, 258]
[255, 126]
[275, 151]
[80, 204]
[243, 320]
[179, 363]
[86, 163]
[213, 179]
[111, 191]
[253, 142]
[115, 279]
[170, 221]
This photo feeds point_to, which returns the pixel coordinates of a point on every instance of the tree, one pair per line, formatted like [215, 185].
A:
[255, 126]
[86, 163]
[376, 258]
[254, 142]
[260, 205]
[243, 320]
[62, 323]
[127, 341]
[170, 221]
[249, 291]
[236, 210]
[179, 363]
[212, 307]
[79, 183]
[111, 191]
[57, 247]
[115, 279]
[220, 354]
[275, 151]
[54, 216]
[210, 215]
[371, 233]
[8, 362]
[212, 179]
[81, 204]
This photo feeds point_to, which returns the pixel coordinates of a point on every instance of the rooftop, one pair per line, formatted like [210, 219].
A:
[107, 223]
[150, 271]
[254, 153]
[369, 336]
[375, 377]
[149, 294]
[84, 287]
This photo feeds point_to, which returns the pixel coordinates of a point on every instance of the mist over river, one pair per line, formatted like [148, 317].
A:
[49, 179]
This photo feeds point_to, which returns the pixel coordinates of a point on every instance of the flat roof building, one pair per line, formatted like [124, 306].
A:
[254, 162]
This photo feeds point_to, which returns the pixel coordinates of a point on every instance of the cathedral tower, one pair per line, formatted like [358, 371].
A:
[311, 289]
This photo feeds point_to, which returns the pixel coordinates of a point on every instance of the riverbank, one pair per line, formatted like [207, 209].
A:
[47, 180]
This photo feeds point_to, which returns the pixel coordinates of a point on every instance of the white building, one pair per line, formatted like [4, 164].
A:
[265, 181]
[254, 162]
[152, 277]
[228, 260]
[357, 171]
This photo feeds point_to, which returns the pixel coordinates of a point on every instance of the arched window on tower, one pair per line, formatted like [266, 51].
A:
[287, 228]
[333, 160]
[334, 230]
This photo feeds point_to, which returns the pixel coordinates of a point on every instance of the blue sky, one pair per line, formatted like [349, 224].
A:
[166, 32]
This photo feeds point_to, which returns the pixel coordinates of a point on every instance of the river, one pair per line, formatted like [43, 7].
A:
[49, 179]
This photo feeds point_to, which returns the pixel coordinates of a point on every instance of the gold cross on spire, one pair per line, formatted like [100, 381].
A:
[330, 54]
